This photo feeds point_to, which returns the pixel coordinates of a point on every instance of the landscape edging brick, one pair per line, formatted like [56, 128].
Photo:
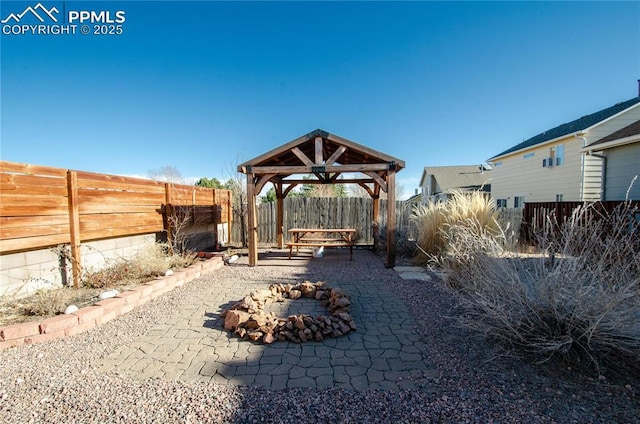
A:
[105, 310]
[19, 331]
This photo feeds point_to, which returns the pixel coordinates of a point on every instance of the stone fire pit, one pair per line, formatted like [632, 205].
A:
[248, 319]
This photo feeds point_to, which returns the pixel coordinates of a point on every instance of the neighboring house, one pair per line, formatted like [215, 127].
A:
[439, 182]
[416, 199]
[620, 156]
[554, 165]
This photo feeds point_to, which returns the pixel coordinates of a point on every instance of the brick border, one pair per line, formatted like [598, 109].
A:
[102, 311]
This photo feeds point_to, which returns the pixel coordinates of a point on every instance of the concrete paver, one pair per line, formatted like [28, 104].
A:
[383, 353]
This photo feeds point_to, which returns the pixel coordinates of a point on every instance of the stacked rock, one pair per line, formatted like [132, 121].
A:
[248, 320]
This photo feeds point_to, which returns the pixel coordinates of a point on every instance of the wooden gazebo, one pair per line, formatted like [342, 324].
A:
[326, 156]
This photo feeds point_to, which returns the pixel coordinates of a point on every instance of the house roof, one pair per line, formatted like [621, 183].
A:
[628, 131]
[465, 177]
[415, 198]
[580, 124]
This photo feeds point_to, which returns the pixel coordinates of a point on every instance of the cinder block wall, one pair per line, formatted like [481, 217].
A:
[96, 254]
[26, 272]
[22, 274]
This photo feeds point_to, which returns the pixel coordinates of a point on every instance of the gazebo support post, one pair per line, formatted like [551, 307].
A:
[391, 218]
[280, 215]
[252, 222]
[376, 215]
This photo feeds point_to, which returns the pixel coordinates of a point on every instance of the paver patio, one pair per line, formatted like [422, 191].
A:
[384, 352]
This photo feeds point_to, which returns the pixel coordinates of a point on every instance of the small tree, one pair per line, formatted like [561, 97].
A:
[270, 197]
[238, 187]
[209, 183]
[168, 174]
[179, 220]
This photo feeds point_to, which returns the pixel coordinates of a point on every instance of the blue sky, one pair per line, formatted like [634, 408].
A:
[202, 86]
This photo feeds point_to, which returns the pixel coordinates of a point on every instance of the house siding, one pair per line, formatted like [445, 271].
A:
[614, 124]
[593, 169]
[592, 180]
[578, 179]
[520, 176]
[623, 163]
[439, 182]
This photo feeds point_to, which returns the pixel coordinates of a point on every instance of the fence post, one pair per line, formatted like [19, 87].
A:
[167, 215]
[229, 214]
[74, 226]
[215, 220]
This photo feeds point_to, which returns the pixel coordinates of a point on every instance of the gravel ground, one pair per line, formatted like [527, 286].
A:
[59, 381]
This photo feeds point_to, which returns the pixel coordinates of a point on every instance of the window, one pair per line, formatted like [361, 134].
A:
[501, 203]
[556, 155]
[518, 201]
[558, 197]
[528, 155]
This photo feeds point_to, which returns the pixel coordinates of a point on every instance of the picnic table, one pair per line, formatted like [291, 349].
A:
[321, 237]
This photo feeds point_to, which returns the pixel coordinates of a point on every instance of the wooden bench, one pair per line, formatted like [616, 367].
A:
[308, 237]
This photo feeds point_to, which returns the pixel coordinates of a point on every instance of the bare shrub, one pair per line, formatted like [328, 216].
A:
[150, 262]
[46, 303]
[578, 301]
[429, 220]
[106, 277]
[405, 246]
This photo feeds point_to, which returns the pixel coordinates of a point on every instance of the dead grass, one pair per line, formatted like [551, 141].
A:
[121, 274]
[434, 220]
[578, 302]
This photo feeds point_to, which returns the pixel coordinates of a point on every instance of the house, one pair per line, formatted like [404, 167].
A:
[439, 182]
[619, 153]
[555, 165]
[415, 199]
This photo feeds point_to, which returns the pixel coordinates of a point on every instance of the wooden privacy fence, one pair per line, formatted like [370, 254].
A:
[333, 212]
[357, 213]
[325, 212]
[535, 215]
[43, 206]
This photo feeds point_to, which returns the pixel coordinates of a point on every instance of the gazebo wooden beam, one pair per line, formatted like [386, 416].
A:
[300, 155]
[364, 167]
[263, 180]
[391, 218]
[379, 180]
[288, 189]
[318, 150]
[366, 187]
[342, 181]
[333, 178]
[334, 157]
[252, 220]
[376, 213]
[279, 215]
[320, 178]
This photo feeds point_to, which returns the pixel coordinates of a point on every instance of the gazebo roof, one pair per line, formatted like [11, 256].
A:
[320, 148]
[326, 156]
